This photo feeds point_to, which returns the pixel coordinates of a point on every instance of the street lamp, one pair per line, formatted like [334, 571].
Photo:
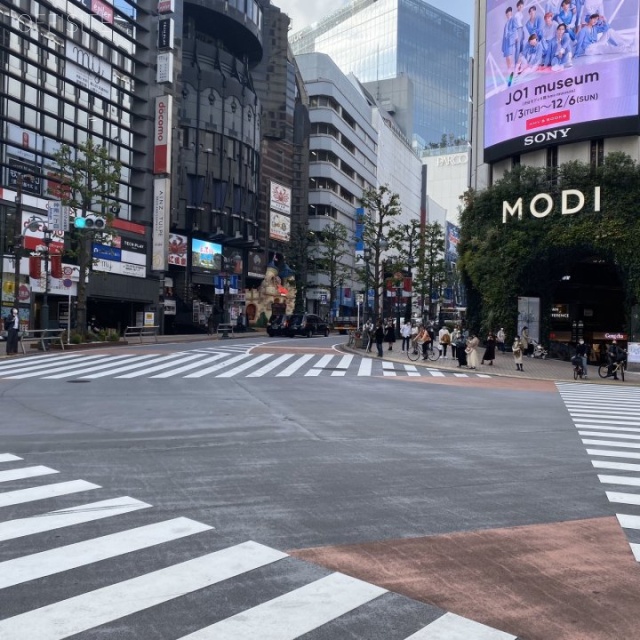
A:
[44, 315]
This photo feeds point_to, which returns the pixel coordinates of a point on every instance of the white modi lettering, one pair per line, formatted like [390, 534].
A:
[571, 201]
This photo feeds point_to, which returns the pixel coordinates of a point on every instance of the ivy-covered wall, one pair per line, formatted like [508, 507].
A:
[527, 257]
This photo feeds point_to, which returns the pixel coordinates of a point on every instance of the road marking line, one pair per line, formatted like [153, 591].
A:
[12, 529]
[151, 359]
[635, 549]
[128, 357]
[188, 367]
[313, 373]
[609, 443]
[453, 627]
[606, 434]
[435, 374]
[158, 367]
[80, 554]
[614, 454]
[296, 613]
[628, 522]
[243, 367]
[21, 496]
[366, 365]
[271, 365]
[8, 457]
[622, 480]
[620, 466]
[41, 372]
[623, 498]
[41, 361]
[294, 366]
[461, 375]
[603, 428]
[412, 371]
[25, 472]
[323, 362]
[89, 610]
[217, 367]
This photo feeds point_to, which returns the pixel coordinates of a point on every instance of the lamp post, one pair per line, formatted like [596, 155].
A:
[44, 314]
[17, 238]
[399, 290]
[367, 258]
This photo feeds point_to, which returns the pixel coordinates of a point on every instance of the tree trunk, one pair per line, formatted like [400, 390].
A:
[83, 268]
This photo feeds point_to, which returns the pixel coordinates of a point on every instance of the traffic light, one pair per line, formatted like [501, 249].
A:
[90, 221]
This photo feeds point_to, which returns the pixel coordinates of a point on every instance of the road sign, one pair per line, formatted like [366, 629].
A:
[360, 298]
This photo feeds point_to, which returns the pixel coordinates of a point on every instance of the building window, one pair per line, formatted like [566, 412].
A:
[596, 153]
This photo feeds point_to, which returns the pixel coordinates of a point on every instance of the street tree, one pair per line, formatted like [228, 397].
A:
[330, 252]
[87, 183]
[431, 270]
[379, 227]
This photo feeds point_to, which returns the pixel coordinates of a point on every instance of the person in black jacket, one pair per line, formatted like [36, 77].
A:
[614, 354]
[379, 337]
[582, 351]
[390, 335]
[12, 327]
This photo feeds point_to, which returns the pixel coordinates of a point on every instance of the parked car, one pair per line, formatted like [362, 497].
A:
[306, 324]
[277, 324]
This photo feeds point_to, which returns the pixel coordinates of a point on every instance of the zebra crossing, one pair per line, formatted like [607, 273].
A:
[608, 421]
[275, 612]
[236, 361]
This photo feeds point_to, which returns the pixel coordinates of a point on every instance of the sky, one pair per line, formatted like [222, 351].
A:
[305, 12]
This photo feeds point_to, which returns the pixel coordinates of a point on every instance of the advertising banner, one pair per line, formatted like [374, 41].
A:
[160, 239]
[280, 198]
[279, 227]
[164, 70]
[553, 76]
[87, 69]
[162, 135]
[177, 250]
[206, 255]
[452, 240]
[529, 316]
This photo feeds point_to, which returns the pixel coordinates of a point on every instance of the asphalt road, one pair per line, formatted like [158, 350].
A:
[468, 495]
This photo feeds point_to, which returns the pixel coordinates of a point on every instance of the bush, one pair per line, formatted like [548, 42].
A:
[262, 320]
[75, 338]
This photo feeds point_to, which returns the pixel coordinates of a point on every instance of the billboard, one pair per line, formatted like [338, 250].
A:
[206, 255]
[552, 78]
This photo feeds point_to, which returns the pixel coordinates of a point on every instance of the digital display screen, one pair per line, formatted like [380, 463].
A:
[554, 71]
[206, 255]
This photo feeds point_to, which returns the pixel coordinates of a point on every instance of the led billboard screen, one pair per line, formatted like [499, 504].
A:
[206, 255]
[556, 71]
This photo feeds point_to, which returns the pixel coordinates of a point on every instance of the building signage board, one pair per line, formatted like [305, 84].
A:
[102, 10]
[87, 69]
[256, 264]
[165, 33]
[120, 268]
[177, 250]
[58, 216]
[164, 69]
[160, 241]
[32, 184]
[280, 198]
[279, 227]
[166, 6]
[162, 134]
[568, 98]
[529, 316]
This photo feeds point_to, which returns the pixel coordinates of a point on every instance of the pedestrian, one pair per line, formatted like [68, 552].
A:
[527, 345]
[472, 350]
[379, 337]
[456, 337]
[432, 334]
[501, 337]
[518, 350]
[423, 340]
[12, 327]
[490, 350]
[582, 351]
[444, 338]
[405, 332]
[390, 335]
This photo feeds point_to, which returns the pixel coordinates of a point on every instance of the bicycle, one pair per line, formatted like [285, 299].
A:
[415, 352]
[616, 368]
[578, 370]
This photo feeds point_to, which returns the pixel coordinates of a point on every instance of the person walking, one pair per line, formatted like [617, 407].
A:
[370, 332]
[390, 335]
[379, 337]
[501, 337]
[518, 350]
[444, 338]
[405, 332]
[472, 350]
[12, 327]
[582, 351]
[490, 350]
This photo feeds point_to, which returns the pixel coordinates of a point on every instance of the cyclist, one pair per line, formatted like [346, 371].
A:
[582, 351]
[614, 354]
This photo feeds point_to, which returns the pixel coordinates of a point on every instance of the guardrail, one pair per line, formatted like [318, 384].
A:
[44, 336]
[142, 332]
[225, 330]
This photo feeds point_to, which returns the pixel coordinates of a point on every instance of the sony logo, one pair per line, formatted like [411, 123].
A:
[546, 136]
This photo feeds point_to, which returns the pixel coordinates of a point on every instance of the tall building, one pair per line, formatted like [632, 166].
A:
[412, 57]
[581, 105]
[68, 74]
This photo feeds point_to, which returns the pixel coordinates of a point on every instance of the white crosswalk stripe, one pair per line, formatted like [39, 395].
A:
[204, 363]
[300, 611]
[612, 414]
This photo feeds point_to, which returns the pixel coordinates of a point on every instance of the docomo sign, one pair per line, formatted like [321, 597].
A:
[541, 205]
[162, 134]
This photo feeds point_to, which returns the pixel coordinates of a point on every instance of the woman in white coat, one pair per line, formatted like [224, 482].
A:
[472, 351]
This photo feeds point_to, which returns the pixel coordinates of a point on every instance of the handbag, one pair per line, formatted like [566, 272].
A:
[468, 350]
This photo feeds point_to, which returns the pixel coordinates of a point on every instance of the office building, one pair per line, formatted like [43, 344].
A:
[412, 57]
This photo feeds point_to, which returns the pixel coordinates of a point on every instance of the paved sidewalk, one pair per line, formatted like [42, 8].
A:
[503, 365]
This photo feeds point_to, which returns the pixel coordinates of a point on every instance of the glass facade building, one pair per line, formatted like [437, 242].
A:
[382, 40]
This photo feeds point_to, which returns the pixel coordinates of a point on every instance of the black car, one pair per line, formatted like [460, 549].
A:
[277, 324]
[306, 324]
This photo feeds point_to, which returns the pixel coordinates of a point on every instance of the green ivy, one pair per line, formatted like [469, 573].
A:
[527, 257]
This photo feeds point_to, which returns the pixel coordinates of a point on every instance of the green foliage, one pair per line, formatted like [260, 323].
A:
[501, 261]
[332, 247]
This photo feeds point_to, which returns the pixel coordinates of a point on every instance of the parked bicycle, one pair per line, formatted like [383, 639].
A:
[613, 371]
[415, 352]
